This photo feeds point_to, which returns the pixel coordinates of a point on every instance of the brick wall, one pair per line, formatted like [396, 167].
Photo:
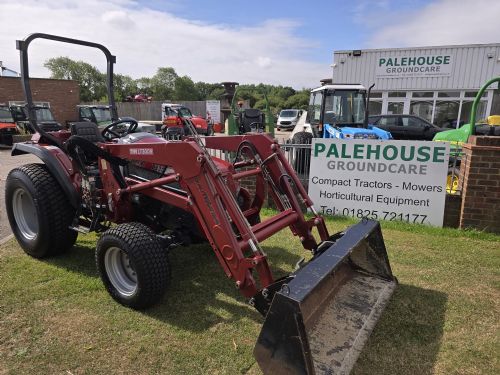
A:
[480, 175]
[452, 208]
[63, 95]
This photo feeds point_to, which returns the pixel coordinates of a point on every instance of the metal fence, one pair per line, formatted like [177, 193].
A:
[152, 111]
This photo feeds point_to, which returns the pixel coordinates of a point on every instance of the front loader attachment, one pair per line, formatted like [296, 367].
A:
[319, 322]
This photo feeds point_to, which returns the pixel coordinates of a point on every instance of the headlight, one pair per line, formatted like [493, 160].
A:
[365, 136]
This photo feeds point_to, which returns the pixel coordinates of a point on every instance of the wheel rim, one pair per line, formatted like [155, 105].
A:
[120, 271]
[25, 214]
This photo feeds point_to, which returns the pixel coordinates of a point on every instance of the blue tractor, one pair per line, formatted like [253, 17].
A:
[335, 111]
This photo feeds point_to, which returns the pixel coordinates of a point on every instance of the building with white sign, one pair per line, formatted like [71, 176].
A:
[435, 83]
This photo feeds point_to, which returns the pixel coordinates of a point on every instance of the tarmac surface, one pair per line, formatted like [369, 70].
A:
[7, 163]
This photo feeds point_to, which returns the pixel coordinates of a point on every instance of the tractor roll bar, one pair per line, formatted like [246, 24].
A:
[22, 46]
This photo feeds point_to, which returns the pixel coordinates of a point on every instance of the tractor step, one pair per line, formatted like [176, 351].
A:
[80, 229]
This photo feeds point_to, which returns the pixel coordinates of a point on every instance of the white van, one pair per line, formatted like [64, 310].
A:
[288, 118]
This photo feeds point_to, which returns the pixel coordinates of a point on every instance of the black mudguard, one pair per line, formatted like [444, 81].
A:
[54, 165]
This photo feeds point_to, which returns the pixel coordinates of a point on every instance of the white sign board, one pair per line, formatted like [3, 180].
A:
[213, 108]
[382, 180]
[413, 66]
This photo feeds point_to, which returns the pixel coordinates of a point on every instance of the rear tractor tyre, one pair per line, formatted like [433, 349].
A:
[133, 265]
[39, 212]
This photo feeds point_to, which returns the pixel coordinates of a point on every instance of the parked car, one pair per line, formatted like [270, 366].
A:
[288, 118]
[406, 126]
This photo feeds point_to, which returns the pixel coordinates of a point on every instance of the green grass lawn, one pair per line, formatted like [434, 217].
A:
[56, 317]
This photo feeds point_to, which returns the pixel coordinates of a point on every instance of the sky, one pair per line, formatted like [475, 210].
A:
[289, 43]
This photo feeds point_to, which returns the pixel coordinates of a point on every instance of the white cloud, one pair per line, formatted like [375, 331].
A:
[264, 62]
[443, 22]
[144, 39]
[118, 19]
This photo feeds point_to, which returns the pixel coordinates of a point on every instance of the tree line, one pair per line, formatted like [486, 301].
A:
[166, 84]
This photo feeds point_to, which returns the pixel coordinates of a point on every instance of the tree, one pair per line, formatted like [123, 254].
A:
[144, 85]
[124, 86]
[185, 89]
[163, 83]
[92, 83]
[300, 100]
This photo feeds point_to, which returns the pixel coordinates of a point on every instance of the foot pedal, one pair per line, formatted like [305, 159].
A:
[80, 229]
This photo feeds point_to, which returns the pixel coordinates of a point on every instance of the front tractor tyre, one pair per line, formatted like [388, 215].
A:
[39, 212]
[133, 265]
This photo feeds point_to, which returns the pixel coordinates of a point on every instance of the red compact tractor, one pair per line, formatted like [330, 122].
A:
[144, 194]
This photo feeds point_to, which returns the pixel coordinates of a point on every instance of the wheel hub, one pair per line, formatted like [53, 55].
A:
[120, 271]
[25, 214]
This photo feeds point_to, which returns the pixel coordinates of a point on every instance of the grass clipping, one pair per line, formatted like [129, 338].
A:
[56, 317]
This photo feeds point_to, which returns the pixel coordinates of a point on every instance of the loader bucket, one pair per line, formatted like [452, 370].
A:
[319, 322]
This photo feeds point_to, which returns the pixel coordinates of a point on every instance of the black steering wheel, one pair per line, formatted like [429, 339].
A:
[110, 134]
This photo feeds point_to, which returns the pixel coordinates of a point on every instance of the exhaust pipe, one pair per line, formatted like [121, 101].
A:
[319, 322]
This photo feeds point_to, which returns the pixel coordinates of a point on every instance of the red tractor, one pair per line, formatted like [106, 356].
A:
[145, 194]
[175, 118]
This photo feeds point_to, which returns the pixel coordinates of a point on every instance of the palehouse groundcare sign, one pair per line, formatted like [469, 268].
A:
[413, 66]
[383, 180]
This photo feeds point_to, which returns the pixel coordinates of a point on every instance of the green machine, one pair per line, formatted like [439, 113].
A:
[457, 137]
[245, 120]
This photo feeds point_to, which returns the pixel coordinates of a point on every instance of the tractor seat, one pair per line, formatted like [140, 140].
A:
[251, 119]
[50, 126]
[87, 130]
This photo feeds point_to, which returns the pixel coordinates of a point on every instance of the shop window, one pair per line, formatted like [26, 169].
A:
[395, 108]
[449, 94]
[446, 114]
[480, 112]
[396, 94]
[375, 108]
[422, 109]
[472, 94]
[423, 94]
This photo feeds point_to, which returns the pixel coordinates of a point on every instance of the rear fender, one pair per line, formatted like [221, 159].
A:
[57, 162]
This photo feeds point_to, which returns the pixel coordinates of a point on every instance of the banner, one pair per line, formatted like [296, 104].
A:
[382, 180]
[213, 108]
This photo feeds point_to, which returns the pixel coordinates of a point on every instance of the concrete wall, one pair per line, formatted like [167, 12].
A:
[63, 95]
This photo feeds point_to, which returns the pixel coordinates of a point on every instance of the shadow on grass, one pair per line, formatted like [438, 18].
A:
[80, 259]
[199, 295]
[407, 338]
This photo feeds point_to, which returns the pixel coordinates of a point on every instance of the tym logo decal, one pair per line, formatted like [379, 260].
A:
[141, 151]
